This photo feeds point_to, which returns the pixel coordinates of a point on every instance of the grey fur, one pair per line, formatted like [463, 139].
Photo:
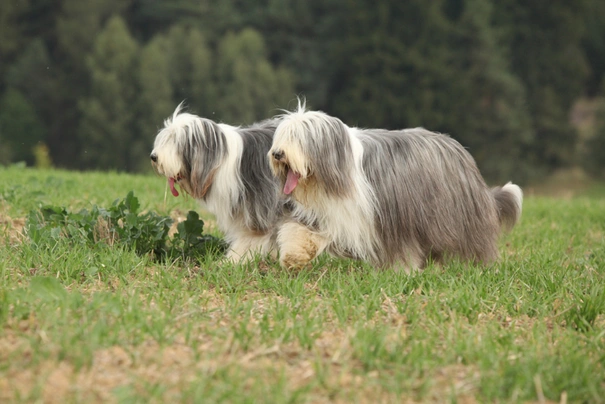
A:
[202, 154]
[332, 163]
[260, 198]
[430, 196]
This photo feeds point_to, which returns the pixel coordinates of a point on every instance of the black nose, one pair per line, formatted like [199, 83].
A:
[278, 155]
[154, 157]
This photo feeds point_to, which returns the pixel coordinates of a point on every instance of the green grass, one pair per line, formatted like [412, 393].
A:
[83, 324]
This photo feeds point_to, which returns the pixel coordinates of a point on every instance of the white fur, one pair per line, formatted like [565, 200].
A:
[517, 192]
[348, 221]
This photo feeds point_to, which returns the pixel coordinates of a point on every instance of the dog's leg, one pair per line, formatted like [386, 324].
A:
[298, 245]
[408, 267]
[246, 246]
[414, 260]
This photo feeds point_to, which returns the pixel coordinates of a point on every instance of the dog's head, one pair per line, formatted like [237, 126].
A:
[188, 151]
[312, 153]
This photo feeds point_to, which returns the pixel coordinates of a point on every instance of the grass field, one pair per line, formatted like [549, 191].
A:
[83, 324]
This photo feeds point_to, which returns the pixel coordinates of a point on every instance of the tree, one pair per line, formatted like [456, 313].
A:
[11, 32]
[593, 155]
[594, 43]
[148, 18]
[107, 126]
[543, 41]
[155, 95]
[250, 88]
[393, 72]
[303, 35]
[488, 108]
[31, 75]
[497, 75]
[20, 127]
[191, 69]
[75, 28]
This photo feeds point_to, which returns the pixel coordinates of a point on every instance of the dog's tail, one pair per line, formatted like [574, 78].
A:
[509, 202]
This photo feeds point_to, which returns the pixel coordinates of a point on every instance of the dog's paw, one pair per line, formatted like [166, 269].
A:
[299, 246]
[296, 260]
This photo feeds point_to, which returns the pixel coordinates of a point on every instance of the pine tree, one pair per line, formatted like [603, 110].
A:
[107, 126]
[69, 29]
[148, 18]
[305, 36]
[20, 127]
[594, 43]
[191, 69]
[394, 72]
[78, 24]
[251, 88]
[543, 40]
[448, 74]
[11, 31]
[488, 108]
[31, 75]
[593, 155]
[155, 96]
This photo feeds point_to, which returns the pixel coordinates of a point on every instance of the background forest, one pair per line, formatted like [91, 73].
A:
[87, 84]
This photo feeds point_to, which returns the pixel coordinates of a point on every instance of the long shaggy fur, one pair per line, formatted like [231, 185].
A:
[225, 168]
[393, 198]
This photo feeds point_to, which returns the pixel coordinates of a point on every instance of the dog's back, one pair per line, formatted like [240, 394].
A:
[431, 198]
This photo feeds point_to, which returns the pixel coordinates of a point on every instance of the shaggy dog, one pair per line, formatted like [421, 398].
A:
[394, 198]
[226, 169]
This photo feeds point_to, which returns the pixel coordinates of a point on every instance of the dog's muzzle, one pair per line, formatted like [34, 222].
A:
[154, 157]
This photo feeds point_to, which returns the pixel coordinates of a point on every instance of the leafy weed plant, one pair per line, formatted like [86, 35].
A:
[123, 224]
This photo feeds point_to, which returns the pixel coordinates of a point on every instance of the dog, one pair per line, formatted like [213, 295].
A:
[225, 168]
[397, 199]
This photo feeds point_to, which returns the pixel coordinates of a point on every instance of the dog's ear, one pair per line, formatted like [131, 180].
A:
[201, 179]
[201, 191]
[330, 152]
[206, 150]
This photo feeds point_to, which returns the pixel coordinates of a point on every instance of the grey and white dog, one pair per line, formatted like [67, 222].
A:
[394, 198]
[225, 168]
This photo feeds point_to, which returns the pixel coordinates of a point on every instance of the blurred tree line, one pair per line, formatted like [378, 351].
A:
[93, 80]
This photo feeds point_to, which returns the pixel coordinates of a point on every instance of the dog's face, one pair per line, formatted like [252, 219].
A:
[311, 153]
[168, 160]
[287, 160]
[188, 151]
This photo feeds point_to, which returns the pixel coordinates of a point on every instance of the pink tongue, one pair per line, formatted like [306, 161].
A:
[172, 188]
[291, 182]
